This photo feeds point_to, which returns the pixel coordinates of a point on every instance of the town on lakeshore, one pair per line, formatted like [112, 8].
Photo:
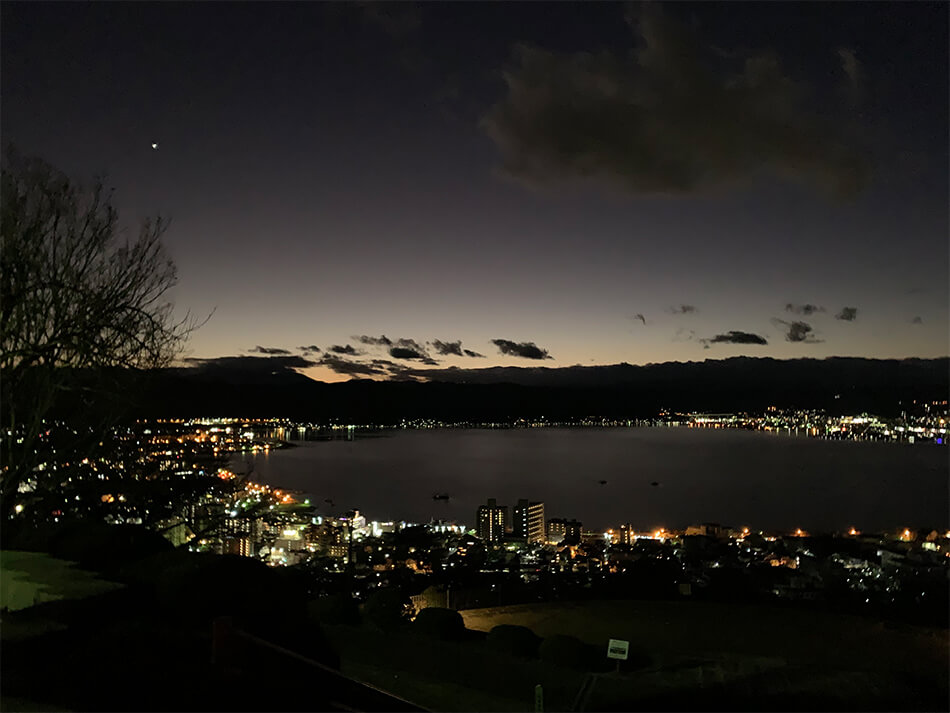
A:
[517, 552]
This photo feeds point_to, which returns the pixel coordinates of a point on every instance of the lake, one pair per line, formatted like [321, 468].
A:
[738, 478]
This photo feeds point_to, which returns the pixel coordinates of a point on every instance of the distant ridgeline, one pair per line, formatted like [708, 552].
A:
[262, 387]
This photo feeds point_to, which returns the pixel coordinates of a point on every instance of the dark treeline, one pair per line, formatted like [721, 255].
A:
[838, 385]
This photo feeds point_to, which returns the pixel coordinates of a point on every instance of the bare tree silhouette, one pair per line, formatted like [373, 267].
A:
[80, 305]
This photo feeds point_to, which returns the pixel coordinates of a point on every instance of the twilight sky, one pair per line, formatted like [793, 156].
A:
[549, 184]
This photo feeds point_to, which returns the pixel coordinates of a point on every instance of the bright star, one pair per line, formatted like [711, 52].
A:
[155, 146]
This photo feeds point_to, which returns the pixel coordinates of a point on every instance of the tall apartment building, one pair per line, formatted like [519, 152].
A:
[491, 521]
[528, 521]
[560, 530]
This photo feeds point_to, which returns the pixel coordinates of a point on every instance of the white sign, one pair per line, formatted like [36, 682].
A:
[617, 649]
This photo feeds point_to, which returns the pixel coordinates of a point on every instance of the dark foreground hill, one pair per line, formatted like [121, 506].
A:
[265, 387]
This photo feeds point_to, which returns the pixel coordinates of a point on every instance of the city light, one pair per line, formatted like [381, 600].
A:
[281, 528]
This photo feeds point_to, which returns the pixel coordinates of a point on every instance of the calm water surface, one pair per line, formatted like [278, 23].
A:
[738, 478]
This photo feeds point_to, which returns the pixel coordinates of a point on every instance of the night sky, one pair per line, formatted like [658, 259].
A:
[548, 184]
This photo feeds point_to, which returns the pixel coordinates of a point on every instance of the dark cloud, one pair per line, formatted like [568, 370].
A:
[346, 349]
[736, 337]
[525, 350]
[396, 19]
[848, 314]
[856, 80]
[797, 331]
[381, 341]
[410, 349]
[452, 348]
[446, 348]
[470, 353]
[386, 364]
[917, 320]
[671, 117]
[313, 348]
[684, 309]
[270, 351]
[384, 341]
[806, 310]
[403, 372]
[402, 348]
[684, 335]
[351, 368]
[851, 66]
[292, 361]
[640, 317]
[406, 343]
[250, 369]
[406, 353]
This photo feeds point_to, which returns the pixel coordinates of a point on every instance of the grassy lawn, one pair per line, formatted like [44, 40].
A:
[29, 578]
[19, 705]
[450, 675]
[703, 656]
[674, 629]
[714, 655]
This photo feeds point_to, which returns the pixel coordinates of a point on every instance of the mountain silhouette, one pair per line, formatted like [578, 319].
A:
[263, 387]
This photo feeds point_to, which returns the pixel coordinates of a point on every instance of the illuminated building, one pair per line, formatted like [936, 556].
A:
[707, 529]
[338, 551]
[556, 530]
[246, 547]
[560, 530]
[572, 531]
[491, 521]
[627, 535]
[528, 521]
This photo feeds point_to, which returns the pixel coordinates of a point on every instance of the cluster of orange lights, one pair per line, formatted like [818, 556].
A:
[260, 489]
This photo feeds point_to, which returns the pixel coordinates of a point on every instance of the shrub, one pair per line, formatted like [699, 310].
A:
[514, 640]
[150, 571]
[387, 608]
[105, 548]
[334, 609]
[444, 624]
[27, 536]
[636, 660]
[566, 651]
[224, 585]
[434, 596]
